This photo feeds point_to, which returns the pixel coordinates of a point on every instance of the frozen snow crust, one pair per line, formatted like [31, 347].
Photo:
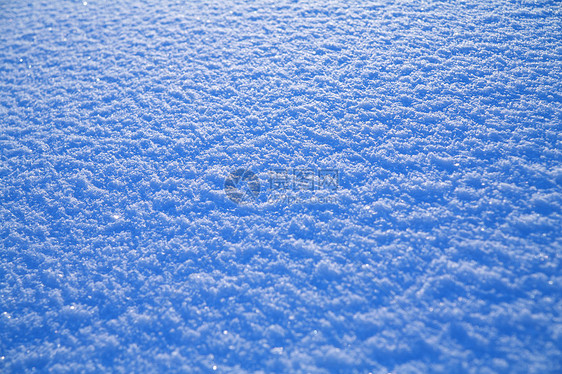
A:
[121, 252]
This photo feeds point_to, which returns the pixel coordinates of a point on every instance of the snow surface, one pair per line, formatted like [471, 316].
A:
[121, 252]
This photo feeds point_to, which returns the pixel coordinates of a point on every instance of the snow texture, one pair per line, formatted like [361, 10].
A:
[121, 252]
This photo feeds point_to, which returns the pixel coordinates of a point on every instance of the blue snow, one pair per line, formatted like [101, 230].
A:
[279, 186]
